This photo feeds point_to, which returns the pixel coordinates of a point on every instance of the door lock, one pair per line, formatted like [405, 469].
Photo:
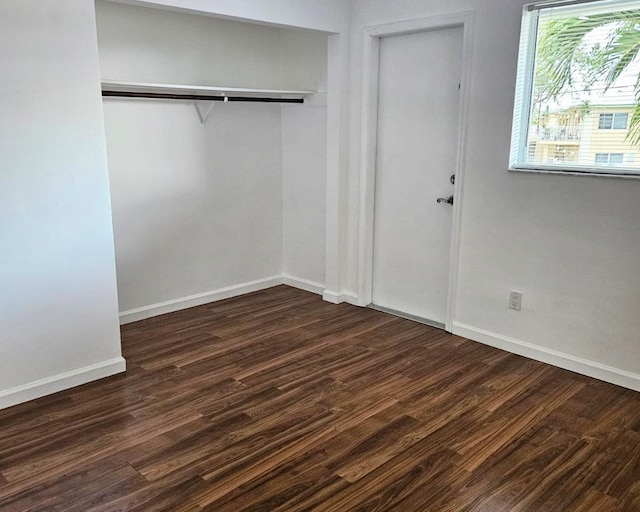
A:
[448, 200]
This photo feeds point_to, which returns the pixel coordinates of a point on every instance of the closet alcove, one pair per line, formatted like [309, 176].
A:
[212, 198]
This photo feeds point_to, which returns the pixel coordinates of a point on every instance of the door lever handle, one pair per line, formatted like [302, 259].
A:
[448, 200]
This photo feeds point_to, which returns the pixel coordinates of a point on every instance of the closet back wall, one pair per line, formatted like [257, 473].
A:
[195, 208]
[198, 209]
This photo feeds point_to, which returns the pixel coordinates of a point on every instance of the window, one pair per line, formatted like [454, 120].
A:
[577, 91]
[609, 158]
[615, 158]
[617, 121]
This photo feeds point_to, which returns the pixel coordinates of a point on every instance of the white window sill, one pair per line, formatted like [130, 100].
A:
[625, 173]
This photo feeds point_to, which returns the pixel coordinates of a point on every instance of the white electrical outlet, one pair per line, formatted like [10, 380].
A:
[515, 301]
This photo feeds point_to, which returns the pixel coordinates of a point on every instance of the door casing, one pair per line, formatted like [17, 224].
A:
[368, 145]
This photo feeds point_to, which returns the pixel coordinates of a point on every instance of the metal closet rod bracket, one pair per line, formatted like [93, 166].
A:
[203, 109]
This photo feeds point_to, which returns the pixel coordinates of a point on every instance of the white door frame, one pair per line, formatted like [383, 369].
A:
[369, 120]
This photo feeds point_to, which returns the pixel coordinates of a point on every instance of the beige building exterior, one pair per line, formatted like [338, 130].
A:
[592, 137]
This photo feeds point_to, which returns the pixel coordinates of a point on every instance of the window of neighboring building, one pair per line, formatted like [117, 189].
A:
[609, 158]
[617, 121]
[578, 85]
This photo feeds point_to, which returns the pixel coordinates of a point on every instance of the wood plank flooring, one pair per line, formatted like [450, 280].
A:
[278, 401]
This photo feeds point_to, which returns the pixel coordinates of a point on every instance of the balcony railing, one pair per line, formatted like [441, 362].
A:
[557, 133]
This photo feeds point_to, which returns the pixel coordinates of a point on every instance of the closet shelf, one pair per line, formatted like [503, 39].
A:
[200, 92]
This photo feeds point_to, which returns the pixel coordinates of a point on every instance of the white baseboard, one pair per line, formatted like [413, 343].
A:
[303, 284]
[133, 315]
[61, 382]
[339, 297]
[553, 357]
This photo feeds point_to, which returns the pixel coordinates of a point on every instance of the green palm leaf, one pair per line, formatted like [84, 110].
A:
[563, 56]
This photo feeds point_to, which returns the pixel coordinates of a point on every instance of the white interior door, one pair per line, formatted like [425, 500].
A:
[417, 140]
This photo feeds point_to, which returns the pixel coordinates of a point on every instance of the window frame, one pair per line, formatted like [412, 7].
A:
[524, 95]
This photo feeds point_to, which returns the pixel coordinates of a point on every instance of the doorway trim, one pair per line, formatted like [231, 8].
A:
[368, 144]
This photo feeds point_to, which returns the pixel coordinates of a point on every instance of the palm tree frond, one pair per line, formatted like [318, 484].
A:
[558, 46]
[561, 50]
[634, 125]
[621, 51]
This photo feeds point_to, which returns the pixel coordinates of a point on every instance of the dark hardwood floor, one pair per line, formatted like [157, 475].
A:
[277, 401]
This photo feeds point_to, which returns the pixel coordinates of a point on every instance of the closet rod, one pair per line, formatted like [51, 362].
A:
[197, 97]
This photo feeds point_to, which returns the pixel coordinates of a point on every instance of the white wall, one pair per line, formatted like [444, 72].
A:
[199, 208]
[196, 208]
[58, 308]
[304, 60]
[324, 15]
[152, 45]
[304, 161]
[571, 244]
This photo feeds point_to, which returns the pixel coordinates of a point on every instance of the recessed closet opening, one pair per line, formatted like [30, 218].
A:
[212, 198]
